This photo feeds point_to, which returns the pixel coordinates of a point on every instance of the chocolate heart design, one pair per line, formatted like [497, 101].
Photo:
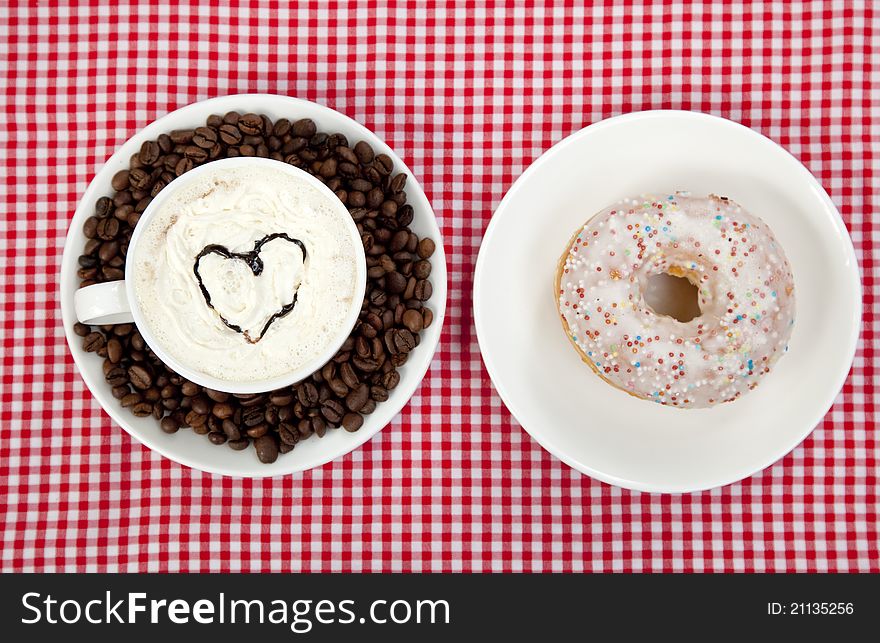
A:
[255, 263]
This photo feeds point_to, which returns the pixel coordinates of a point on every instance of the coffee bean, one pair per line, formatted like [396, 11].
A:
[149, 153]
[348, 376]
[360, 185]
[399, 241]
[140, 377]
[165, 143]
[362, 347]
[388, 338]
[374, 198]
[391, 379]
[196, 154]
[286, 413]
[357, 398]
[81, 329]
[410, 289]
[288, 434]
[378, 393]
[404, 218]
[112, 274]
[398, 183]
[90, 228]
[422, 269]
[346, 169]
[182, 136]
[307, 394]
[216, 396]
[108, 250]
[351, 422]
[258, 430]
[332, 411]
[184, 165]
[107, 229]
[346, 154]
[389, 208]
[282, 128]
[281, 398]
[230, 429]
[423, 290]
[230, 134]
[116, 376]
[338, 387]
[328, 168]
[87, 261]
[200, 405]
[216, 438]
[103, 207]
[114, 350]
[395, 283]
[190, 388]
[248, 401]
[130, 399]
[142, 409]
[412, 319]
[271, 415]
[253, 416]
[250, 124]
[426, 248]
[356, 199]
[404, 341]
[93, 342]
[266, 129]
[205, 137]
[238, 445]
[267, 449]
[318, 426]
[399, 359]
[120, 180]
[384, 164]
[195, 420]
[169, 425]
[364, 152]
[304, 127]
[365, 364]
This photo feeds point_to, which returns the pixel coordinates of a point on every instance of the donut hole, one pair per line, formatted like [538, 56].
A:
[672, 296]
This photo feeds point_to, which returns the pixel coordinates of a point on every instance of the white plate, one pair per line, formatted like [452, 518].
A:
[604, 432]
[185, 446]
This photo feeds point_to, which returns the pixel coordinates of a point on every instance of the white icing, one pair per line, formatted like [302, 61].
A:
[234, 208]
[746, 298]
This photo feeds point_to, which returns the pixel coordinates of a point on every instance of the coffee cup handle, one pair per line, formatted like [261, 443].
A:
[105, 303]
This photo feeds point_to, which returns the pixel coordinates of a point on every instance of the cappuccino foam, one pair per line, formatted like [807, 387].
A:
[222, 216]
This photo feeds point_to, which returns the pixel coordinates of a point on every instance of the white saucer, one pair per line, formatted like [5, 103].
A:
[604, 432]
[185, 446]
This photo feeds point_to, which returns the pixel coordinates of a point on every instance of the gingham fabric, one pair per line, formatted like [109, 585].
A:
[468, 96]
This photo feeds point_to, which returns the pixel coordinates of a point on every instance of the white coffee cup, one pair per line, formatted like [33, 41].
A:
[116, 302]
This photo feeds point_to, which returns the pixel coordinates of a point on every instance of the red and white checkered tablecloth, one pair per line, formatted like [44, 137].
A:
[468, 96]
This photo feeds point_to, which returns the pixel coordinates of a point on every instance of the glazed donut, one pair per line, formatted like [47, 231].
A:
[745, 292]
